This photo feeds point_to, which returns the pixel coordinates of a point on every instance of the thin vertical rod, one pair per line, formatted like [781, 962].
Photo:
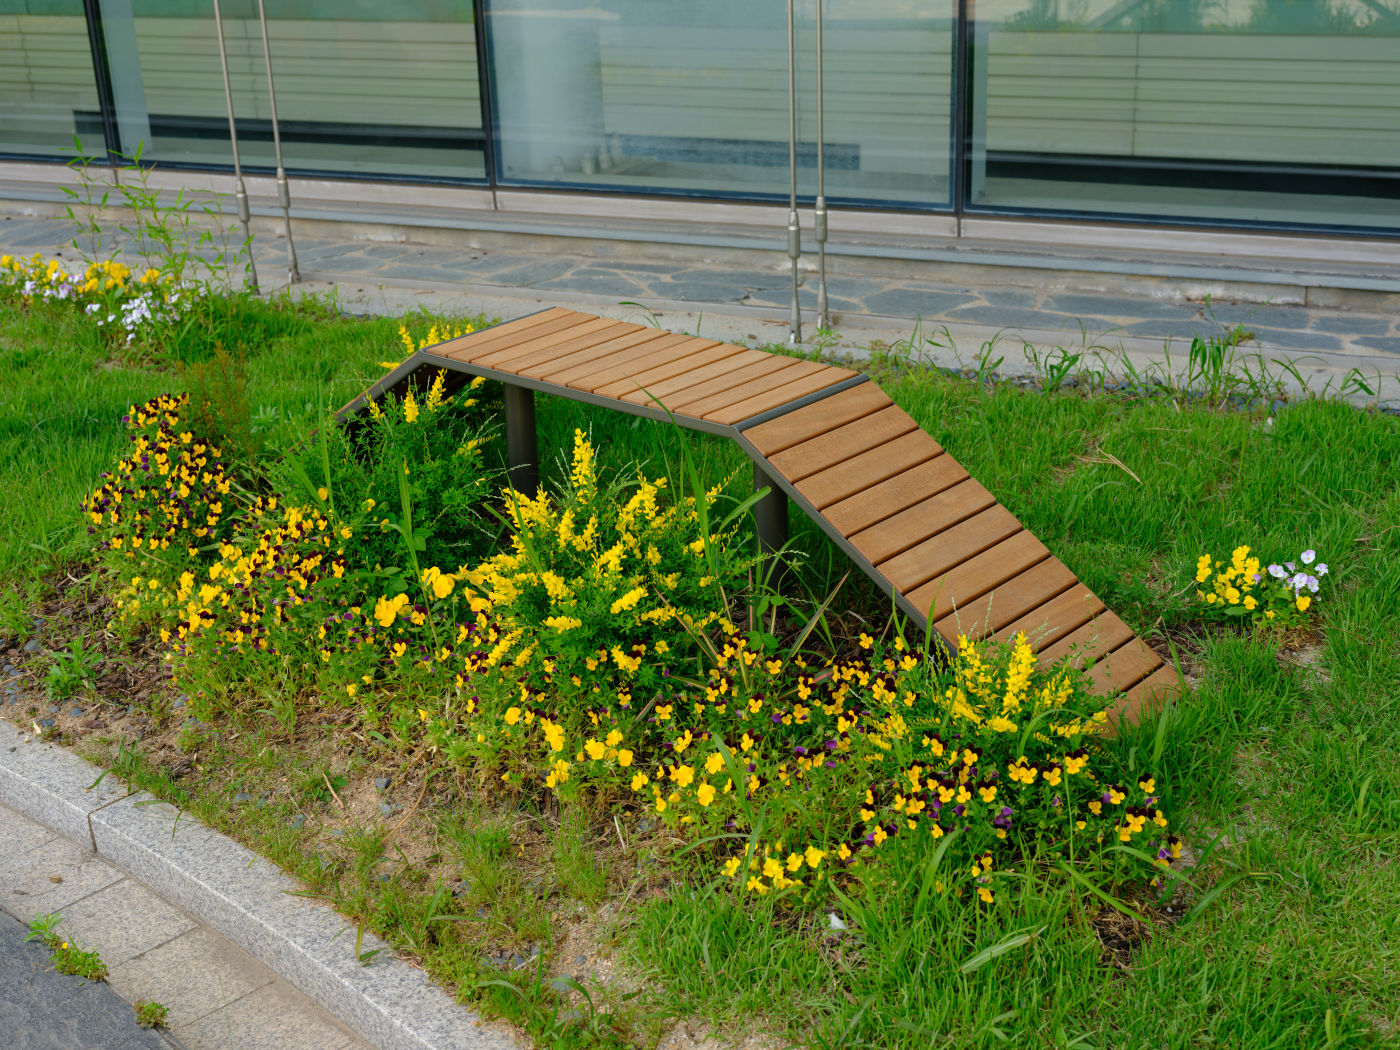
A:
[794, 231]
[241, 191]
[823, 319]
[284, 193]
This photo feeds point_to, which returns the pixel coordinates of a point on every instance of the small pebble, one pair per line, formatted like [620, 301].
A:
[298, 821]
[563, 985]
[337, 833]
[518, 960]
[10, 668]
[243, 796]
[382, 783]
[31, 646]
[77, 712]
[46, 722]
[53, 710]
[384, 876]
[386, 808]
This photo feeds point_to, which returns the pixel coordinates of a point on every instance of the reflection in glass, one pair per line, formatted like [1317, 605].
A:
[362, 88]
[1280, 111]
[47, 90]
[683, 97]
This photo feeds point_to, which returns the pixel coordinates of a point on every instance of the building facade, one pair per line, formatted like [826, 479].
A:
[1259, 115]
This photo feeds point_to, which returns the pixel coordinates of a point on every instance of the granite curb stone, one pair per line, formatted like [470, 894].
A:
[53, 786]
[239, 895]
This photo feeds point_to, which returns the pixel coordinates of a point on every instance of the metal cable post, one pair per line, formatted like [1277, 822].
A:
[819, 220]
[241, 191]
[284, 194]
[794, 231]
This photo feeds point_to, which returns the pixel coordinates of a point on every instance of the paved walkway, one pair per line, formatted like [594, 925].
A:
[219, 997]
[957, 325]
[43, 1009]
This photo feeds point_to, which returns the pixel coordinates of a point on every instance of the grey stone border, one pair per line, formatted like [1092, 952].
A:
[240, 895]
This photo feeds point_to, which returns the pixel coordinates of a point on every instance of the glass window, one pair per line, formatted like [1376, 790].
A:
[684, 97]
[47, 90]
[1272, 111]
[362, 87]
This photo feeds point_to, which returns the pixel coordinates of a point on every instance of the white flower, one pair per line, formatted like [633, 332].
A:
[1277, 572]
[1308, 557]
[1322, 568]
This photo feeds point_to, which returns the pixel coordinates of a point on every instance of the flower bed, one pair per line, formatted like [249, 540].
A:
[592, 655]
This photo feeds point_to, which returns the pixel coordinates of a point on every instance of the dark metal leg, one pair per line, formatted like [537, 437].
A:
[770, 518]
[522, 445]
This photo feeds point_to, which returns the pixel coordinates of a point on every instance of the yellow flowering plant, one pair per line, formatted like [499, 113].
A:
[167, 503]
[890, 746]
[125, 305]
[1276, 595]
[440, 444]
[604, 583]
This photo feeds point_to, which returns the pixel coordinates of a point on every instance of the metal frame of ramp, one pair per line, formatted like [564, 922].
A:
[829, 440]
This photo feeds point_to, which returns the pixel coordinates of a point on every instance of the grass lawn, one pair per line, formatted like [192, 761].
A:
[1280, 766]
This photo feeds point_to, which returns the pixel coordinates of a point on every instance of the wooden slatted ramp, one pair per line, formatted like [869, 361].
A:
[835, 444]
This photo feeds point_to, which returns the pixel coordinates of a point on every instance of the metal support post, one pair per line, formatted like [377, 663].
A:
[770, 521]
[241, 191]
[284, 194]
[823, 317]
[794, 231]
[522, 442]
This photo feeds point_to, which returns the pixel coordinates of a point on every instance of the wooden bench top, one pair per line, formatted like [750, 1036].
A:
[889, 495]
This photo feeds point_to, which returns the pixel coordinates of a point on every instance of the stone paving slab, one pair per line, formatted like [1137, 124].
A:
[216, 975]
[165, 900]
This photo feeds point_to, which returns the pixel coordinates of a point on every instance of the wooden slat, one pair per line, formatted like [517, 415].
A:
[819, 453]
[1102, 634]
[585, 351]
[1124, 668]
[462, 347]
[582, 370]
[922, 521]
[711, 379]
[934, 557]
[1148, 695]
[843, 480]
[963, 585]
[1006, 601]
[806, 423]
[536, 335]
[543, 346]
[1058, 617]
[629, 376]
[779, 396]
[881, 500]
[586, 338]
[678, 380]
[735, 395]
